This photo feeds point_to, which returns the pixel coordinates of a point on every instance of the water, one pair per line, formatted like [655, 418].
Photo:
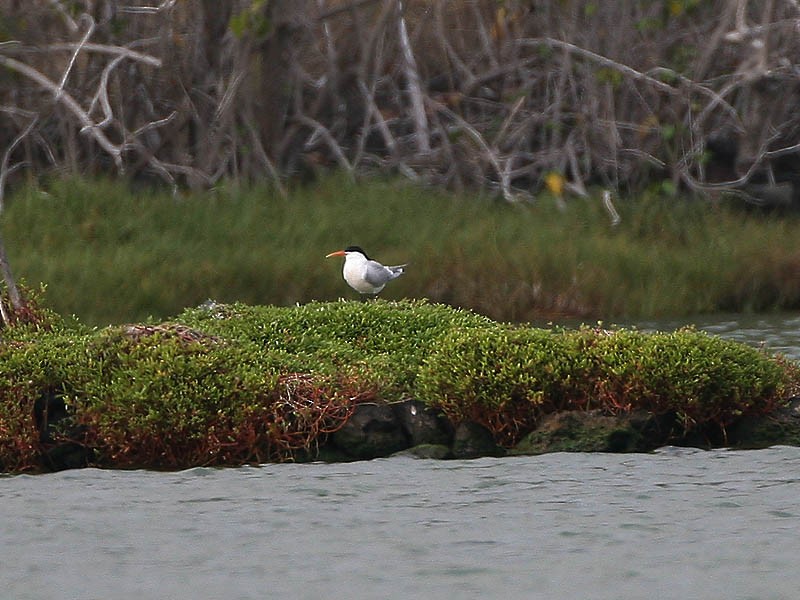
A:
[777, 333]
[677, 524]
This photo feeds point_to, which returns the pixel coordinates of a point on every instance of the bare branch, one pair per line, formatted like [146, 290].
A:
[324, 132]
[86, 36]
[69, 102]
[602, 60]
[414, 87]
[71, 24]
[103, 49]
[155, 124]
[148, 10]
[502, 172]
[612, 211]
[273, 171]
[5, 170]
[102, 95]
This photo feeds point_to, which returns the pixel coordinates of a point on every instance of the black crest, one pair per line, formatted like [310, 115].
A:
[356, 249]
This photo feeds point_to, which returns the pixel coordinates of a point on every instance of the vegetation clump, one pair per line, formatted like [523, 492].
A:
[231, 384]
[508, 378]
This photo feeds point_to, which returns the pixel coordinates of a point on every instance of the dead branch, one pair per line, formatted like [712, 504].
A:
[5, 168]
[489, 153]
[89, 31]
[414, 87]
[148, 10]
[69, 102]
[318, 129]
[100, 49]
[601, 60]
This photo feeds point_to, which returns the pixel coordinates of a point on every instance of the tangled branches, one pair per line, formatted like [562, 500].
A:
[486, 94]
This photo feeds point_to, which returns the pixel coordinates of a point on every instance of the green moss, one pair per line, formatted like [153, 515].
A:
[228, 384]
[582, 432]
[501, 377]
[378, 341]
[507, 378]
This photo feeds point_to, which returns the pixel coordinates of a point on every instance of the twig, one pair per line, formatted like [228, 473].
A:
[507, 121]
[71, 24]
[502, 173]
[105, 49]
[603, 60]
[609, 206]
[450, 52]
[154, 124]
[483, 35]
[102, 95]
[781, 151]
[86, 36]
[376, 115]
[148, 10]
[273, 171]
[325, 133]
[414, 87]
[5, 170]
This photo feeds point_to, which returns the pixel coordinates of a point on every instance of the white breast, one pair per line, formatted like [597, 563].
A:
[355, 274]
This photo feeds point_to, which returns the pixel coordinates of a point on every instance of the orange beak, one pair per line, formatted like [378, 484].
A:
[337, 253]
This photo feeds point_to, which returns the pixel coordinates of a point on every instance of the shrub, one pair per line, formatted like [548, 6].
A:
[168, 396]
[506, 379]
[702, 378]
[32, 369]
[501, 377]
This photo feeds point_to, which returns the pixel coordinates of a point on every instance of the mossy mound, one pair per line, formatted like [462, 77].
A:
[509, 378]
[234, 384]
[380, 343]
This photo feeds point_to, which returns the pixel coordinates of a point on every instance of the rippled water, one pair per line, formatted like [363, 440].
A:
[674, 524]
[778, 333]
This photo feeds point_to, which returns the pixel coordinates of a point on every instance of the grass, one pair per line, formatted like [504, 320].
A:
[109, 254]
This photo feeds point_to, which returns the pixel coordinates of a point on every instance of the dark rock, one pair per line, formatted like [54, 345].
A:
[372, 431]
[779, 428]
[422, 425]
[324, 453]
[472, 440]
[61, 440]
[435, 451]
[593, 431]
[49, 410]
[66, 455]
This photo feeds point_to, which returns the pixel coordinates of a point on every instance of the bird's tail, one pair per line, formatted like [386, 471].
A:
[398, 270]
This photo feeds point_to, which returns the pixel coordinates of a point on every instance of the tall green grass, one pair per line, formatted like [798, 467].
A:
[109, 254]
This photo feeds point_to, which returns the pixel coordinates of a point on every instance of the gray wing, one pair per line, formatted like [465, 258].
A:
[377, 274]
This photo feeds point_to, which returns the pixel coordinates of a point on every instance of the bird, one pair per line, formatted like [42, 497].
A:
[364, 275]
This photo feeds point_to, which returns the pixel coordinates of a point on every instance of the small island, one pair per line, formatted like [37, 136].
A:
[233, 384]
